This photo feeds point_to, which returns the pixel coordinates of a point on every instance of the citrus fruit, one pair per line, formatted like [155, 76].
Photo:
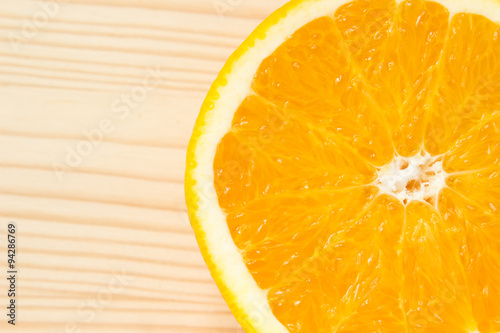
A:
[344, 172]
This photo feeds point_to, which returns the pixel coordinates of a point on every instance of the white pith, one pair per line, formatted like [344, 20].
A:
[230, 266]
[420, 177]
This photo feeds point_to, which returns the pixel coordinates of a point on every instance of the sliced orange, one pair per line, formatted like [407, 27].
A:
[344, 172]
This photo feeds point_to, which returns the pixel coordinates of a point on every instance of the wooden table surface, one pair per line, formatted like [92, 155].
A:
[97, 103]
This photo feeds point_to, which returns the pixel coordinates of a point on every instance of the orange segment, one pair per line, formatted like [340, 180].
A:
[309, 67]
[348, 285]
[468, 88]
[435, 293]
[478, 150]
[396, 50]
[476, 234]
[367, 28]
[482, 188]
[422, 28]
[310, 78]
[269, 152]
[277, 234]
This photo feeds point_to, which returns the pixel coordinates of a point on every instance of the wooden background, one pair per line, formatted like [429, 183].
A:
[97, 103]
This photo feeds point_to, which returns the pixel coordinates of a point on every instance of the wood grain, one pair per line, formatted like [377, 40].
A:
[104, 243]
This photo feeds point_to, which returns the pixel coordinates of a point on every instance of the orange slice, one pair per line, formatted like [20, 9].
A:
[344, 172]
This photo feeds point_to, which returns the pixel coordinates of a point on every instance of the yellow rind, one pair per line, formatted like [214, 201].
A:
[192, 196]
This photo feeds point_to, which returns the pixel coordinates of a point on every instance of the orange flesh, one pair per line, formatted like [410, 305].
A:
[339, 99]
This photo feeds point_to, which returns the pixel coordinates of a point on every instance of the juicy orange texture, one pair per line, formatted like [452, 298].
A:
[331, 106]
